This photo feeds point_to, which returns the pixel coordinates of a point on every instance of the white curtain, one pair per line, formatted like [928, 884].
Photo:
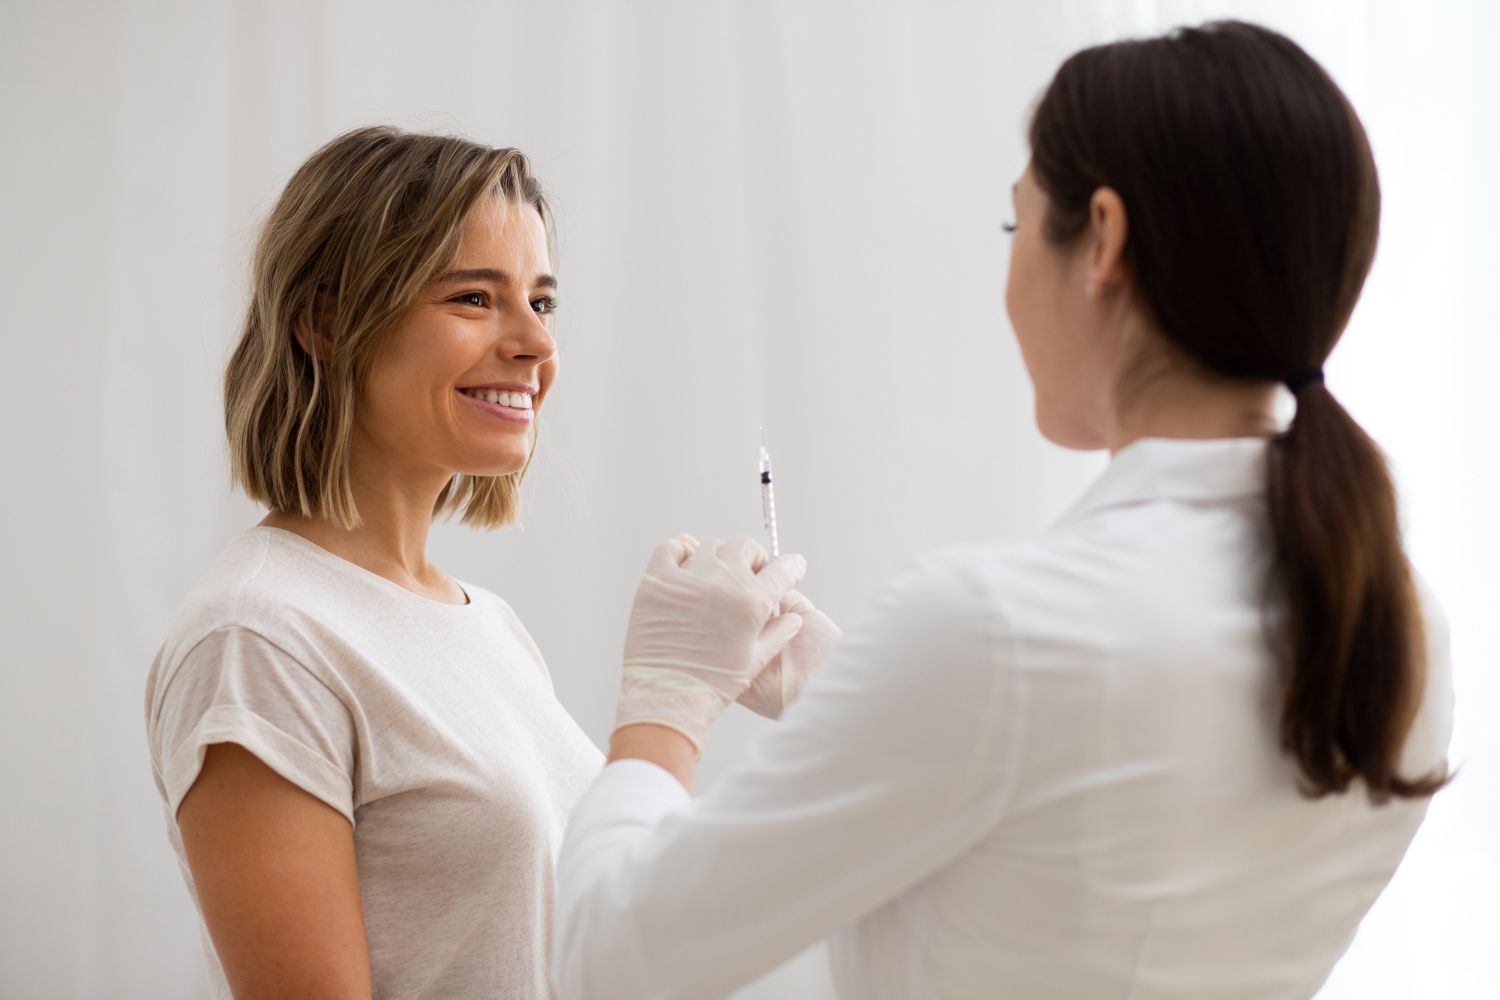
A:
[772, 214]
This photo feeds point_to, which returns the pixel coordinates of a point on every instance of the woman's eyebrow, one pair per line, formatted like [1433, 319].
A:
[493, 275]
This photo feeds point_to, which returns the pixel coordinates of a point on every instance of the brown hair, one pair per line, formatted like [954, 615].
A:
[1254, 211]
[366, 223]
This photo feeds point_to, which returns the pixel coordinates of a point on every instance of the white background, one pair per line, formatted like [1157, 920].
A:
[776, 213]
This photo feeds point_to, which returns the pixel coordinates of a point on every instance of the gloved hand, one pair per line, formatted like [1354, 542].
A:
[782, 679]
[778, 685]
[705, 621]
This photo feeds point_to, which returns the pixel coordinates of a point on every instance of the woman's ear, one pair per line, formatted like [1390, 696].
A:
[1110, 227]
[318, 344]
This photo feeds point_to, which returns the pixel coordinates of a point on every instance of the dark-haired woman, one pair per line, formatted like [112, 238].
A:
[1173, 749]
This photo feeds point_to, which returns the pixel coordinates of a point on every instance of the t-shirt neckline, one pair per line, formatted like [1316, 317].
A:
[354, 569]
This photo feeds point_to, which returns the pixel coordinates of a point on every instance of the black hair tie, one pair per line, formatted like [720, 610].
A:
[1304, 377]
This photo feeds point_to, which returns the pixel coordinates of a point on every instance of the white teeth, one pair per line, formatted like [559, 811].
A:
[514, 400]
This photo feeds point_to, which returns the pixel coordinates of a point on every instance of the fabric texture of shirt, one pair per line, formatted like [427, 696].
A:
[433, 728]
[1046, 769]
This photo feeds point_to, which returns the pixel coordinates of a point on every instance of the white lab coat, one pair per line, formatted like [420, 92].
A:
[1038, 770]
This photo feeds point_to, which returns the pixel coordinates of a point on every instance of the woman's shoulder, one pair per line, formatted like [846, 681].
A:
[956, 594]
[997, 598]
[214, 606]
[257, 583]
[216, 597]
[979, 576]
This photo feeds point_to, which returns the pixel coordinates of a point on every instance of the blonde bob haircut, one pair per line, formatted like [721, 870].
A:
[363, 226]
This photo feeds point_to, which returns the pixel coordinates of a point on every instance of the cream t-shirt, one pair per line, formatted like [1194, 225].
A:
[432, 727]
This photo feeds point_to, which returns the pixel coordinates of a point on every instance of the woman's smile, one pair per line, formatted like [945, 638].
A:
[513, 405]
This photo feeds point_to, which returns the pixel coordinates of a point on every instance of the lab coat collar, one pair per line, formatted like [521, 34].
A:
[1176, 469]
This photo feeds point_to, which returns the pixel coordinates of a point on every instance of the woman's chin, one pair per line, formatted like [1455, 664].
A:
[493, 466]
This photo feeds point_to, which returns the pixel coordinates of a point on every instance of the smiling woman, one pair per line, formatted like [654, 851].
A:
[364, 767]
[421, 397]
[384, 242]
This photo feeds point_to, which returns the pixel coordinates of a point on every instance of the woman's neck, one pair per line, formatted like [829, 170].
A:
[391, 538]
[1191, 405]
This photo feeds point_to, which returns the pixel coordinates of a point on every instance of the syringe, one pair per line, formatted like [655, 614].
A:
[768, 495]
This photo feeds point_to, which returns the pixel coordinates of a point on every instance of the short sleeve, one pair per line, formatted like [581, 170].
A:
[236, 686]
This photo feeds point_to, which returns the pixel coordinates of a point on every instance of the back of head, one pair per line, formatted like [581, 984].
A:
[1254, 210]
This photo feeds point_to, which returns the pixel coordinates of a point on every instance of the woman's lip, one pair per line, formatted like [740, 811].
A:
[510, 413]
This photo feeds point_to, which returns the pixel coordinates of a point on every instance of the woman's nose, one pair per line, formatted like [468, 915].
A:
[528, 339]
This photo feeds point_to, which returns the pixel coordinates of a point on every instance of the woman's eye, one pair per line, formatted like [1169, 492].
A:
[476, 299]
[1009, 227]
[544, 306]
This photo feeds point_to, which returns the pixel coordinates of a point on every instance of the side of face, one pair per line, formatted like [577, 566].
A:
[485, 323]
[1064, 331]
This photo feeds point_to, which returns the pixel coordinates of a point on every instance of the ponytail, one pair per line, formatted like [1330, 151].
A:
[1353, 659]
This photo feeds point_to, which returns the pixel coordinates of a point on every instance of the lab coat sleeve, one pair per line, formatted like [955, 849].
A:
[897, 758]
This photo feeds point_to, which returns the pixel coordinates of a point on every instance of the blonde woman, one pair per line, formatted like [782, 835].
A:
[365, 771]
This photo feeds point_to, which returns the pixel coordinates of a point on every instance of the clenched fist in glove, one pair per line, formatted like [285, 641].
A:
[706, 619]
[777, 686]
[787, 673]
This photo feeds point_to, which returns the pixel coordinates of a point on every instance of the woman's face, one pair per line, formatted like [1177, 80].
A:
[482, 329]
[1059, 326]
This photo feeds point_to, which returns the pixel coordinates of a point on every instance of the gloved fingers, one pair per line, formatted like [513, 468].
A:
[781, 574]
[812, 618]
[774, 636]
[796, 601]
[746, 552]
[667, 555]
[688, 540]
[705, 554]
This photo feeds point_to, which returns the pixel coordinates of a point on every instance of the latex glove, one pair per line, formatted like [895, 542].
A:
[782, 679]
[706, 619]
[778, 685]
